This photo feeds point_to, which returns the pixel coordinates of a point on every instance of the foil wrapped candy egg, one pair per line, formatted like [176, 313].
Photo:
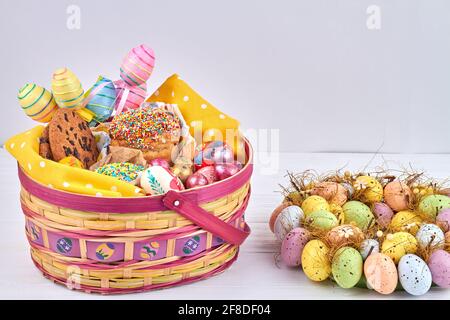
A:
[211, 153]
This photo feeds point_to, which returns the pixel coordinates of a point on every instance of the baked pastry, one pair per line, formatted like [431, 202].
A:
[70, 135]
[154, 131]
[44, 145]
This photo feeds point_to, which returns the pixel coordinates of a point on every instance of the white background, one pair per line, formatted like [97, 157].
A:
[311, 69]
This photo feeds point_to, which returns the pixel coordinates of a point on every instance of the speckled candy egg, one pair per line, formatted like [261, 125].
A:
[347, 267]
[373, 191]
[344, 234]
[368, 247]
[315, 262]
[431, 205]
[398, 195]
[443, 219]
[430, 235]
[359, 213]
[314, 203]
[383, 214]
[275, 214]
[333, 192]
[37, 102]
[322, 220]
[158, 180]
[288, 219]
[380, 273]
[439, 264]
[408, 221]
[398, 244]
[292, 246]
[414, 275]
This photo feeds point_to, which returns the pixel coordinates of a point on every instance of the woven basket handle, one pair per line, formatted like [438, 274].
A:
[176, 201]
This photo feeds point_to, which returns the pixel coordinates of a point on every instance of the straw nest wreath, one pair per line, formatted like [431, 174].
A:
[378, 230]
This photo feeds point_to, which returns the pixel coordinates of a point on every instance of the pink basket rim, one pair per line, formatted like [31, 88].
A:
[137, 204]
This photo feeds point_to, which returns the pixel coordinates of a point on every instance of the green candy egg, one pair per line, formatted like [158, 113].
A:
[359, 213]
[431, 205]
[322, 219]
[347, 267]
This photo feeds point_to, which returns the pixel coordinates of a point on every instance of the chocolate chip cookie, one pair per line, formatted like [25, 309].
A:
[44, 145]
[70, 135]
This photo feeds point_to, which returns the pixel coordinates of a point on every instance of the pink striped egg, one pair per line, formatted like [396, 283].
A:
[133, 96]
[137, 66]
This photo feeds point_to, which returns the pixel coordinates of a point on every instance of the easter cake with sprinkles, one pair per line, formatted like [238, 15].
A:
[154, 131]
[380, 231]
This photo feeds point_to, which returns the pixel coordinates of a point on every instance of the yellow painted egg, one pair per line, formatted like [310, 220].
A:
[315, 262]
[398, 244]
[381, 273]
[37, 102]
[408, 221]
[372, 189]
[333, 192]
[338, 212]
[67, 89]
[398, 195]
[314, 203]
[344, 234]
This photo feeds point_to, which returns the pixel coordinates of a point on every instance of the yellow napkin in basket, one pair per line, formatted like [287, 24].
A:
[25, 148]
[197, 112]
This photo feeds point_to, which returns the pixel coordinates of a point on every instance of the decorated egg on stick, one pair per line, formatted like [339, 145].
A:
[38, 103]
[137, 65]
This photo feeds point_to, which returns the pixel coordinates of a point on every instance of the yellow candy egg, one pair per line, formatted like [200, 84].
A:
[398, 244]
[338, 212]
[67, 89]
[407, 221]
[314, 203]
[315, 262]
[372, 190]
[37, 102]
[72, 162]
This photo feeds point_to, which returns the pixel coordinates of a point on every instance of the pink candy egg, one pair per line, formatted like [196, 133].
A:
[383, 213]
[137, 66]
[292, 246]
[214, 152]
[209, 173]
[196, 180]
[443, 219]
[439, 264]
[226, 170]
[133, 96]
[160, 162]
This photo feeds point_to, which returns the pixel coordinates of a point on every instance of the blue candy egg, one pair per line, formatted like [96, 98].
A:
[414, 275]
[102, 104]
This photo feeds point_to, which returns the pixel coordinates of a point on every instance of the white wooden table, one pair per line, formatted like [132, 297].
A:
[254, 276]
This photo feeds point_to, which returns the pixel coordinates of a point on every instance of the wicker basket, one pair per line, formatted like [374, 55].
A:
[121, 245]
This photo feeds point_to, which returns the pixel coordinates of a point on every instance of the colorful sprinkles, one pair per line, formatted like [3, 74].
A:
[126, 171]
[137, 126]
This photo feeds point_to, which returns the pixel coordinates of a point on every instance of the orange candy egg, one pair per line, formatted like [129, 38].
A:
[275, 214]
[333, 192]
[398, 195]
